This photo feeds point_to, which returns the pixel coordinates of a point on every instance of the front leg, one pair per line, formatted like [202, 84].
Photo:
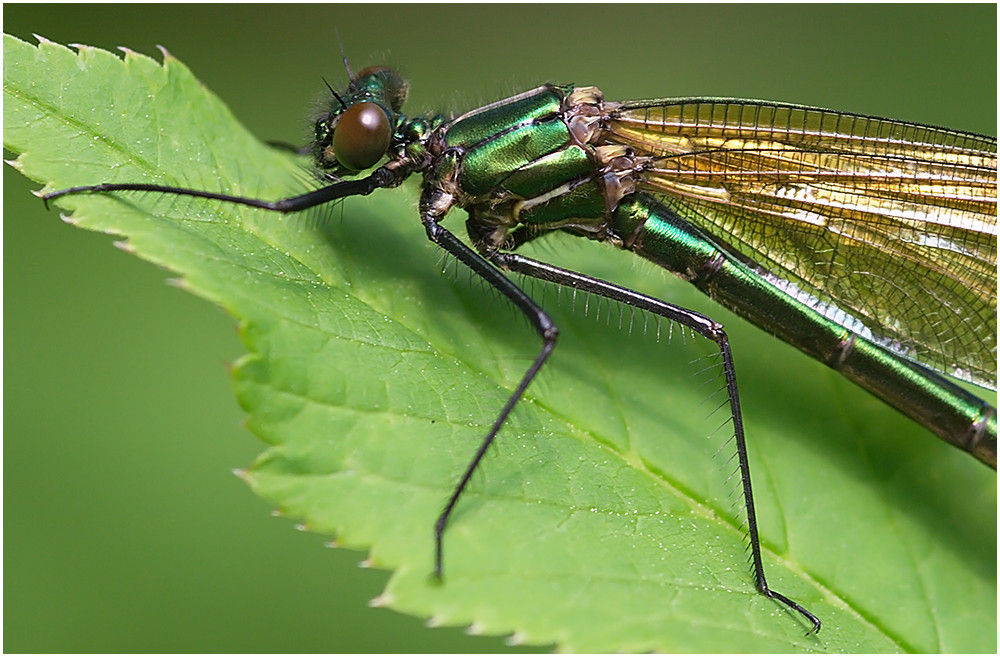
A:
[543, 325]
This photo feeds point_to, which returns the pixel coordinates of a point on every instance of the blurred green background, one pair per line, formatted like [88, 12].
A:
[125, 531]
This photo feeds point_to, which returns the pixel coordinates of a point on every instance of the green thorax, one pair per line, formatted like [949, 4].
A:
[526, 161]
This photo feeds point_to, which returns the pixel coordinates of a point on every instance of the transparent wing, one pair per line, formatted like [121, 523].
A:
[889, 228]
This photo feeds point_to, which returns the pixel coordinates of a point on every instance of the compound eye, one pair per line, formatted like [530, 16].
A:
[362, 136]
[370, 70]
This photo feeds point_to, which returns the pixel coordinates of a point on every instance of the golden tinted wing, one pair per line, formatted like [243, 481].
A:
[889, 228]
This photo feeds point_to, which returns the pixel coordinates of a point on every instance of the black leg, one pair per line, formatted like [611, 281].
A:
[709, 329]
[542, 324]
[379, 179]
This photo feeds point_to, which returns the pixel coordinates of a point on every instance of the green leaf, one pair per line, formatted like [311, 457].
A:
[601, 520]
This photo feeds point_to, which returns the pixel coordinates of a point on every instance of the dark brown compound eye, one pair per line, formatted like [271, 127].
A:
[371, 70]
[362, 136]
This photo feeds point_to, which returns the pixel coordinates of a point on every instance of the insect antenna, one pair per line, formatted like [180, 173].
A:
[340, 44]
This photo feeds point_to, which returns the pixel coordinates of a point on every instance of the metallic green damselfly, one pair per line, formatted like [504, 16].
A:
[868, 243]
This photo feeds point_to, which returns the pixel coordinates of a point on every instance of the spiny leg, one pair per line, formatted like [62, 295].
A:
[379, 179]
[543, 325]
[707, 328]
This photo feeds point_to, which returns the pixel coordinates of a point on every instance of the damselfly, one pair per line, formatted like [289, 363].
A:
[868, 243]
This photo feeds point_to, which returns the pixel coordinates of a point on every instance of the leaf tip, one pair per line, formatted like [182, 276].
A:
[475, 629]
[332, 543]
[82, 47]
[16, 164]
[365, 563]
[68, 219]
[383, 599]
[125, 246]
[242, 473]
[180, 283]
[516, 639]
[166, 53]
[301, 526]
[42, 40]
[435, 621]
